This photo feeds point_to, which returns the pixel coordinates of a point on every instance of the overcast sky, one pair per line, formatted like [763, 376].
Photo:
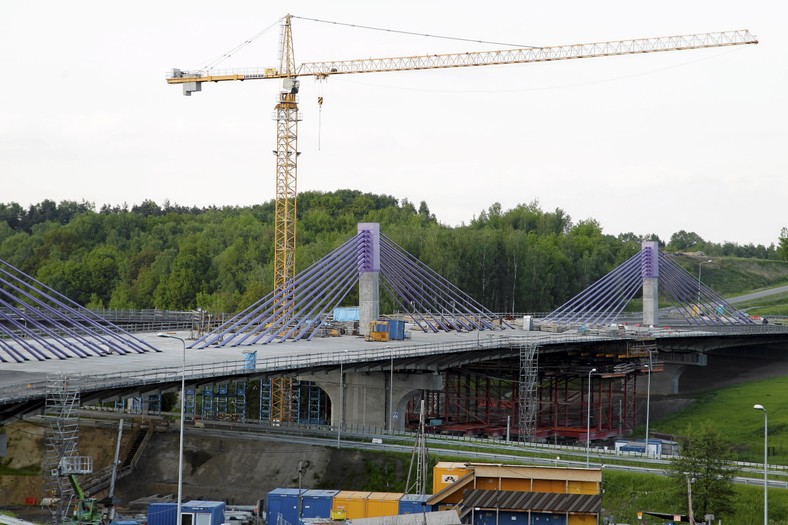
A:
[656, 143]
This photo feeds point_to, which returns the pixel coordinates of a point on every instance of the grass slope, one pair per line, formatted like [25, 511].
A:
[730, 409]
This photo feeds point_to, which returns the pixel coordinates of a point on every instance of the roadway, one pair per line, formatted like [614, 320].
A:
[758, 295]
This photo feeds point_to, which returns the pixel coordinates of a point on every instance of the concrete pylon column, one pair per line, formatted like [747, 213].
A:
[368, 276]
[365, 399]
[649, 265]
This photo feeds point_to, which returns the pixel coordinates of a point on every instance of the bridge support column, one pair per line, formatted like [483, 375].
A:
[649, 264]
[366, 396]
[369, 276]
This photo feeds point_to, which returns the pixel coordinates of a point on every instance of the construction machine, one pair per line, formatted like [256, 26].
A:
[86, 511]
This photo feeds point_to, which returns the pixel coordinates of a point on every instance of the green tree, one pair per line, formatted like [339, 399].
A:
[684, 240]
[783, 249]
[706, 462]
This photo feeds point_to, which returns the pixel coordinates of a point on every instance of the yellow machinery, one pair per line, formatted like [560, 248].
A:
[378, 331]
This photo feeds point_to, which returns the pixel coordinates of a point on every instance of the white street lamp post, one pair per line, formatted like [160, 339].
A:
[765, 463]
[183, 408]
[588, 423]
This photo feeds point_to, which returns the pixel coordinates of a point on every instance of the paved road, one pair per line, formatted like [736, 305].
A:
[758, 295]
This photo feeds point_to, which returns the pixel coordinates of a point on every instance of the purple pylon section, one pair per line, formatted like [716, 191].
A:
[431, 301]
[39, 323]
[605, 300]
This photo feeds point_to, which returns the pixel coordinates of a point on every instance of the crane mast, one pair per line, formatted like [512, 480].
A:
[286, 166]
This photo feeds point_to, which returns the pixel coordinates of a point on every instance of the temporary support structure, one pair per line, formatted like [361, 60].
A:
[61, 440]
[526, 402]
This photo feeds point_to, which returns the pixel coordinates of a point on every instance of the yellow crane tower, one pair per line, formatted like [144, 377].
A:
[287, 117]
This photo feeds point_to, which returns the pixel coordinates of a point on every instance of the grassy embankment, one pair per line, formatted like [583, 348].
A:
[730, 409]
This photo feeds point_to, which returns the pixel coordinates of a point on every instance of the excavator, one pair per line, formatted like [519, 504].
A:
[86, 511]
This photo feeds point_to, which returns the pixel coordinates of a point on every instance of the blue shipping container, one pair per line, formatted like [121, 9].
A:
[412, 504]
[162, 513]
[507, 517]
[538, 518]
[397, 330]
[284, 502]
[202, 512]
[317, 503]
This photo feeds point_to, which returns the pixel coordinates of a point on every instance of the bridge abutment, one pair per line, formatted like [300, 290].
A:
[367, 395]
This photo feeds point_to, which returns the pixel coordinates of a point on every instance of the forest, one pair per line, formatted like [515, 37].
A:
[221, 259]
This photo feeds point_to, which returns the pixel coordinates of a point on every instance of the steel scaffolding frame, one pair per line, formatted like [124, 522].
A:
[265, 400]
[529, 377]
[60, 442]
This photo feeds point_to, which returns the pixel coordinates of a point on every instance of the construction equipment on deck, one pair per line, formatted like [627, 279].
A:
[378, 331]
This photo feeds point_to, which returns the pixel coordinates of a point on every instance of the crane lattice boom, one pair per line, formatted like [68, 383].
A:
[477, 58]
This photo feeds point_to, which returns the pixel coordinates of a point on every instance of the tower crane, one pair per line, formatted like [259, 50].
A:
[287, 116]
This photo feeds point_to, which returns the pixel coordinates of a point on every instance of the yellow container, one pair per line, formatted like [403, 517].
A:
[446, 473]
[583, 487]
[383, 504]
[517, 484]
[353, 503]
[582, 519]
[550, 485]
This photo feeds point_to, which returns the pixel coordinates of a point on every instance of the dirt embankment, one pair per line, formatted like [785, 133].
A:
[239, 471]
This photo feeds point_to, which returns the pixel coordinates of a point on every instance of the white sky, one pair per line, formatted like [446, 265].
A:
[692, 140]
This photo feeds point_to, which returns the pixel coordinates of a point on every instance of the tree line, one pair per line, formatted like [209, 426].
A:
[221, 258]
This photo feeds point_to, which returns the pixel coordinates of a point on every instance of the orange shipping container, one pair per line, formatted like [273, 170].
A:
[383, 504]
[582, 519]
[446, 473]
[353, 503]
[550, 485]
[583, 487]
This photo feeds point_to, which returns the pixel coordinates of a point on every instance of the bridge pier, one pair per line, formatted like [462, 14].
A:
[369, 277]
[649, 268]
[367, 395]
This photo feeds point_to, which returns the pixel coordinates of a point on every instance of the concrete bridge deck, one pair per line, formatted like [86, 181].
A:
[23, 385]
